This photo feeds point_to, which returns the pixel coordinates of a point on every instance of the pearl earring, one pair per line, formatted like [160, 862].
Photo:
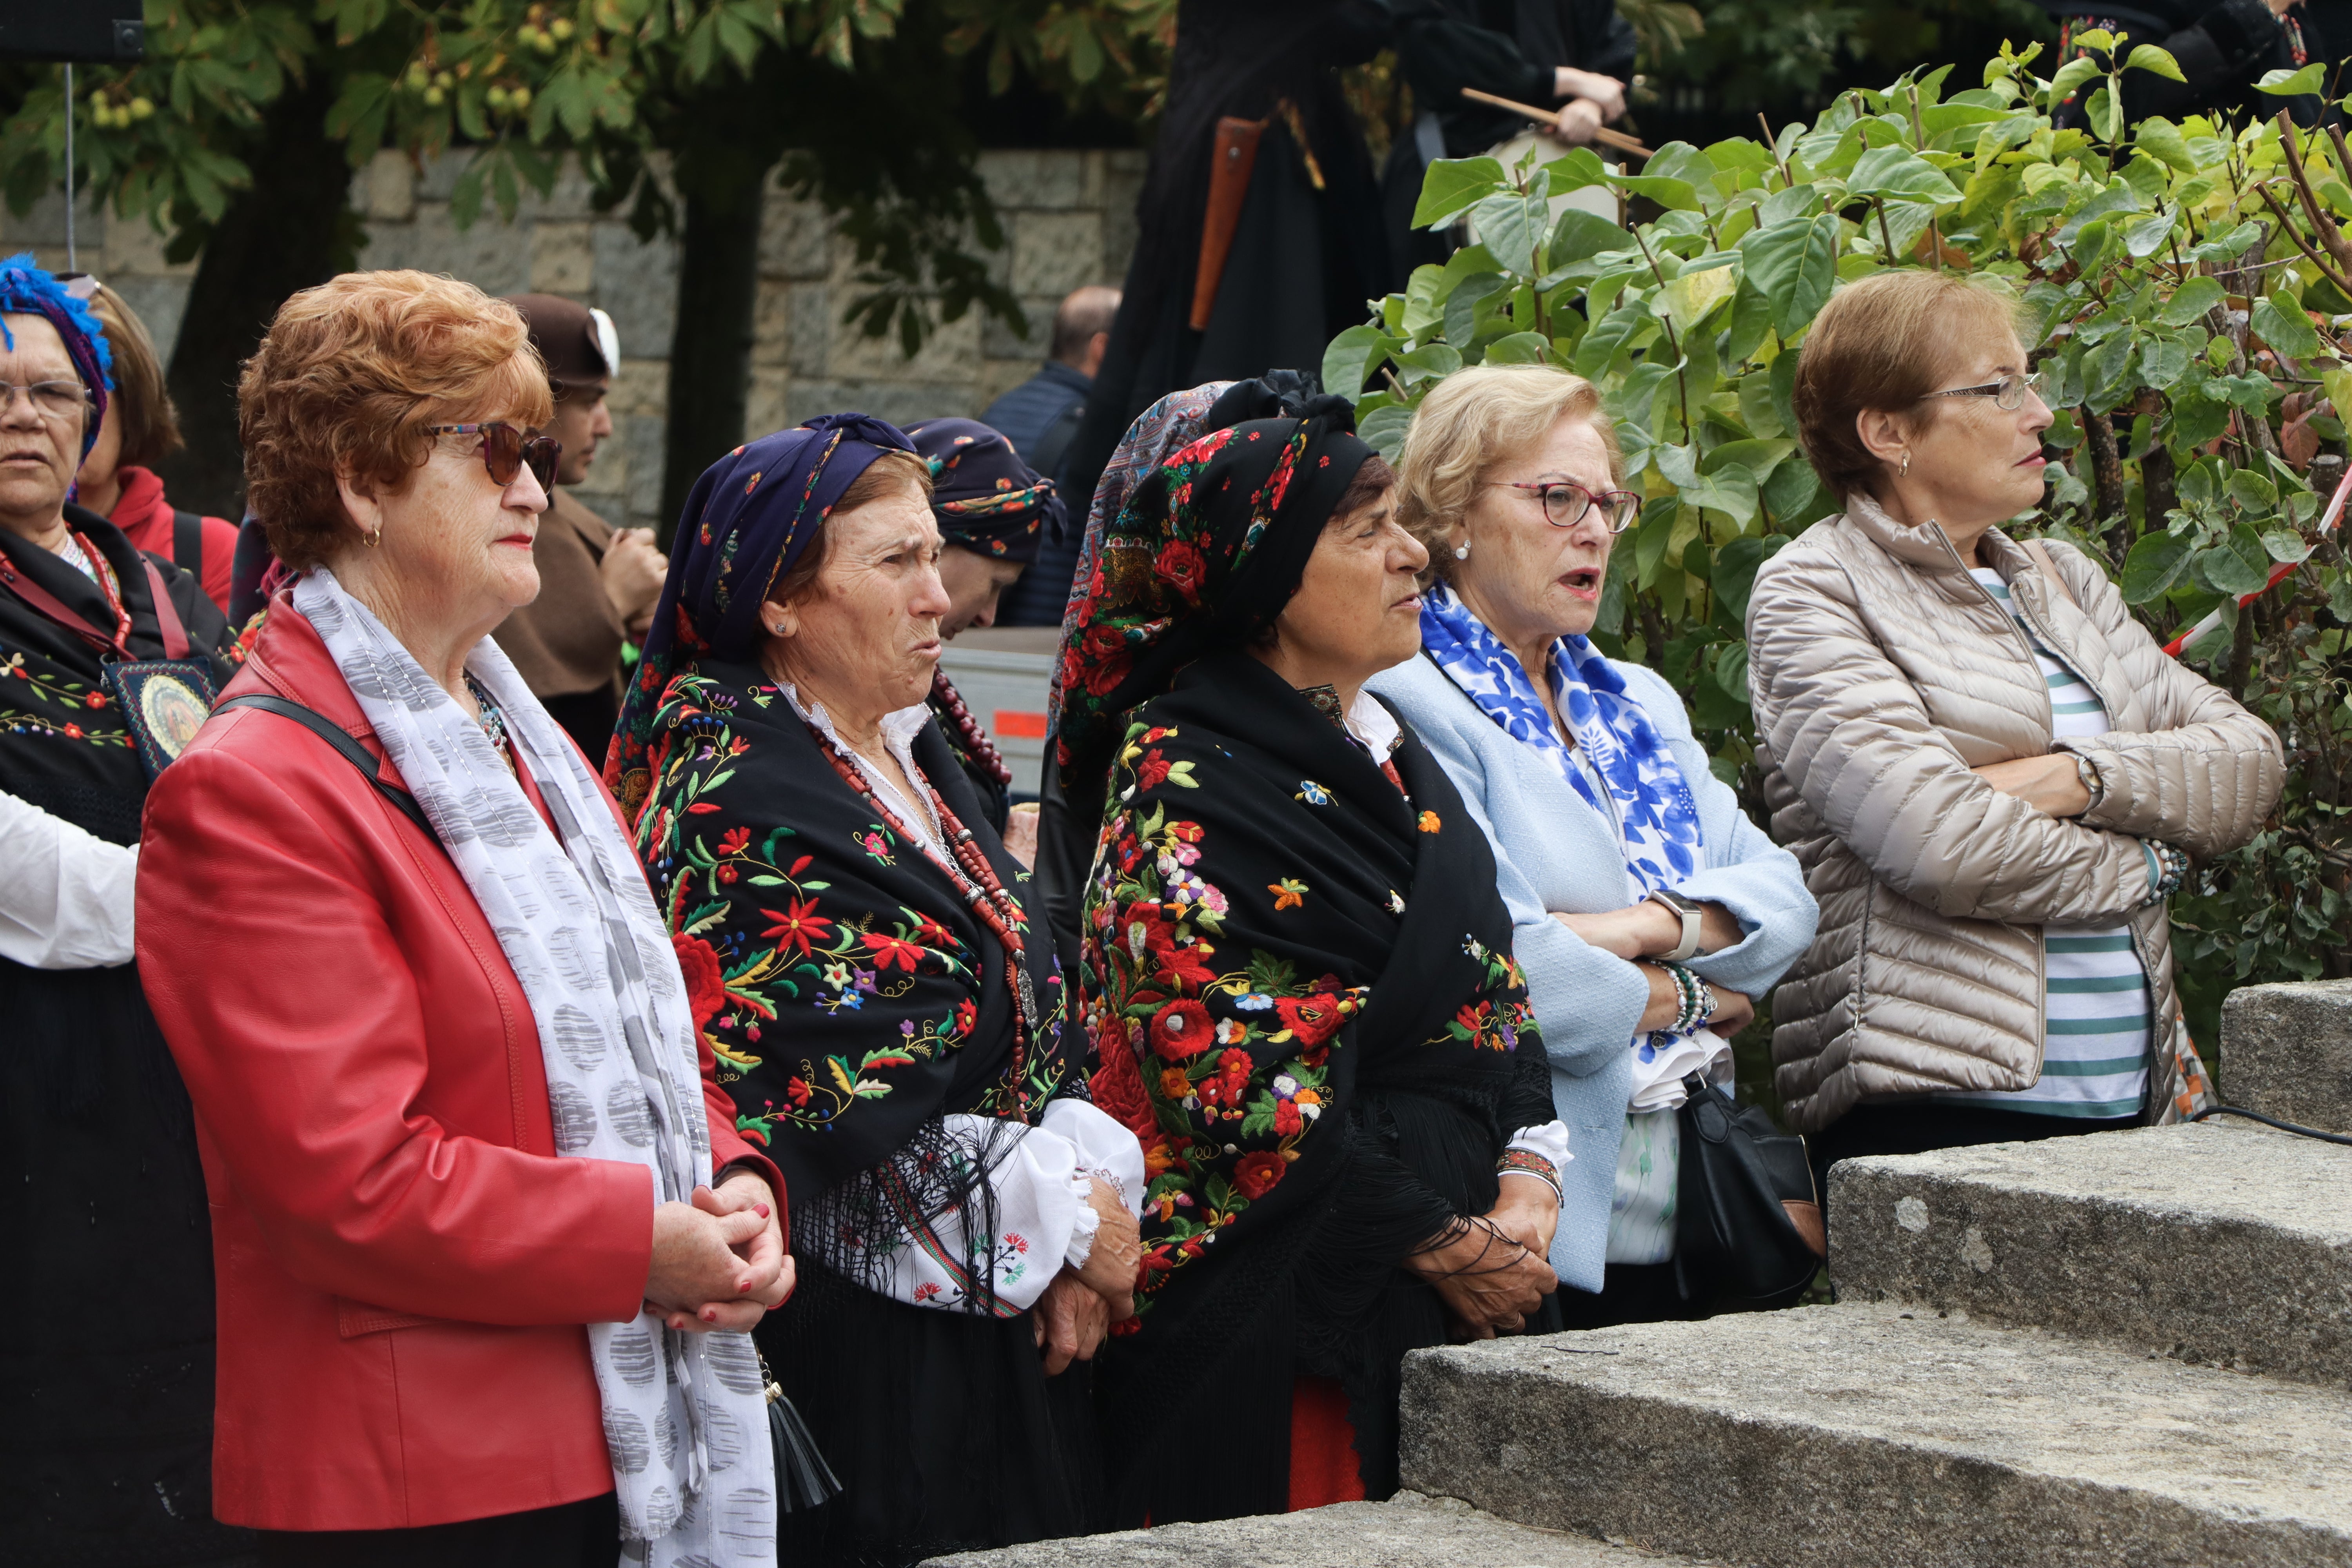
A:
[1461, 550]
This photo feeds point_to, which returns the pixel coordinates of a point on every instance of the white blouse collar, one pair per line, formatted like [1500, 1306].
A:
[898, 728]
[1370, 721]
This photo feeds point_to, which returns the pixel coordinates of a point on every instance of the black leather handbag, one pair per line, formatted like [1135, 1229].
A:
[1748, 1228]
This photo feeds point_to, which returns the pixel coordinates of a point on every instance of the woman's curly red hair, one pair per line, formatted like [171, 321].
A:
[348, 377]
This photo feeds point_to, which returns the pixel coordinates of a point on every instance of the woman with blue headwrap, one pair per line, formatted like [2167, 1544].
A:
[108, 658]
[862, 960]
[993, 511]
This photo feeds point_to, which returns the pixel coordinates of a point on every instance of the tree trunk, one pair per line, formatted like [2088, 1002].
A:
[710, 355]
[291, 229]
[2158, 477]
[2108, 476]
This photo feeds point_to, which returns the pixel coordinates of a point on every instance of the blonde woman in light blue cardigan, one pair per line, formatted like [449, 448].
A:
[1648, 909]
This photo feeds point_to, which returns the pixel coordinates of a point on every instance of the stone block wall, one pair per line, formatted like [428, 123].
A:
[1068, 217]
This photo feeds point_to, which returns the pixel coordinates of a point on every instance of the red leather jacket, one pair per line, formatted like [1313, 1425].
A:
[404, 1264]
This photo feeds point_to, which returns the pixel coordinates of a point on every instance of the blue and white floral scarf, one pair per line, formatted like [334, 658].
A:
[1656, 814]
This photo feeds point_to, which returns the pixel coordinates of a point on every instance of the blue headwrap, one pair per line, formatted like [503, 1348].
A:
[985, 498]
[27, 289]
[746, 521]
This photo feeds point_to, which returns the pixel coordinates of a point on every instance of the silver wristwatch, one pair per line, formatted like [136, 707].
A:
[1688, 912]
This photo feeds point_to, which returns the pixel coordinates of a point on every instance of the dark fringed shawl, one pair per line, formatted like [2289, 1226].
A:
[850, 996]
[1300, 987]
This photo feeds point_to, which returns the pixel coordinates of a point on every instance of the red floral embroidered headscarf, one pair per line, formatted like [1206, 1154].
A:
[1204, 556]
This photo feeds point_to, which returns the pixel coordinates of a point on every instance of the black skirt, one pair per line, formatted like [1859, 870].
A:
[942, 1426]
[106, 1461]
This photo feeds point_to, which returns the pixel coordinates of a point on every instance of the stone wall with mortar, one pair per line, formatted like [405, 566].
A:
[1068, 217]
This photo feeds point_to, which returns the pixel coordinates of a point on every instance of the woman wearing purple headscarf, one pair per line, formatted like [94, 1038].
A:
[862, 961]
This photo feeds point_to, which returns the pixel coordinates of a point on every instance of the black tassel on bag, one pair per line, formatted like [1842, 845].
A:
[804, 1480]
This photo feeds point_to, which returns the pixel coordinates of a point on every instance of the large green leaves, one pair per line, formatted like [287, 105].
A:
[1897, 174]
[1794, 264]
[2295, 83]
[2281, 323]
[1351, 356]
[1452, 184]
[2239, 564]
[1513, 226]
[2154, 564]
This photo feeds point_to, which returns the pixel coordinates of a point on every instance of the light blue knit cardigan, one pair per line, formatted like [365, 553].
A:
[1555, 852]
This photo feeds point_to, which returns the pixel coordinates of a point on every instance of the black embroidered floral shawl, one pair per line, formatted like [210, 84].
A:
[850, 996]
[63, 743]
[1300, 987]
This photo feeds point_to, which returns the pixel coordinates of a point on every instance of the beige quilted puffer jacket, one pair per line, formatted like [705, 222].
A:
[1880, 672]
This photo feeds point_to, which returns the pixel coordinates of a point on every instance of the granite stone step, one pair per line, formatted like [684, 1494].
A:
[1871, 1436]
[1410, 1532]
[2286, 1051]
[2222, 1243]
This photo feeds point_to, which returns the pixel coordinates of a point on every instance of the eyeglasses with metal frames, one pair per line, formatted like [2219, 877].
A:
[57, 400]
[2007, 394]
[1565, 503]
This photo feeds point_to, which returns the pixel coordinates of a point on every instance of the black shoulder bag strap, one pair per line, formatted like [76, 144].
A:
[188, 542]
[310, 719]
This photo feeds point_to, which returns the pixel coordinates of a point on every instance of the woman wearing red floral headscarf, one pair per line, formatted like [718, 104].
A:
[1298, 976]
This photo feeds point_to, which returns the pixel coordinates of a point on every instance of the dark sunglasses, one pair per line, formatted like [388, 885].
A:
[507, 451]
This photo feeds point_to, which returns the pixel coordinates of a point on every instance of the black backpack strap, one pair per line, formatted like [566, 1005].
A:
[310, 719]
[188, 542]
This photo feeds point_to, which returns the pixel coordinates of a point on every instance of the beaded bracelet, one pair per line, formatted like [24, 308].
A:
[1697, 1003]
[2171, 868]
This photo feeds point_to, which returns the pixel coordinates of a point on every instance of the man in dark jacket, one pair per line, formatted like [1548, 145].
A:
[1039, 418]
[597, 584]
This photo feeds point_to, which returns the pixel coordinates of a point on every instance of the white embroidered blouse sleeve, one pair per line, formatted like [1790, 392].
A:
[1044, 1220]
[65, 894]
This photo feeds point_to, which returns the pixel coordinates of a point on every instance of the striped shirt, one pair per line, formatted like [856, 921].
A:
[2096, 1035]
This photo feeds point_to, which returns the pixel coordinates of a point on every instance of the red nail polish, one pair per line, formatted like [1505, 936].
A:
[763, 1209]
[710, 1316]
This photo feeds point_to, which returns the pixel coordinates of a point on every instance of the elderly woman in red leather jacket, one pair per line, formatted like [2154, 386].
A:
[487, 1241]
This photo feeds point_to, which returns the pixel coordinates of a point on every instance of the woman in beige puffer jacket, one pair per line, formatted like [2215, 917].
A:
[1991, 772]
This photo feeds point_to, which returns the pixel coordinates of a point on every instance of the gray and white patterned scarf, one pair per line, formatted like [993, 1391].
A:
[684, 1417]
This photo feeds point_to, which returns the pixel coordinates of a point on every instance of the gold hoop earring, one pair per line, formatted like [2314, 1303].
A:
[1904, 471]
[373, 540]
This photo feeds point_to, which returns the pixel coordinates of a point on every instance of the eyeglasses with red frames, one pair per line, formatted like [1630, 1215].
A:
[507, 451]
[1565, 503]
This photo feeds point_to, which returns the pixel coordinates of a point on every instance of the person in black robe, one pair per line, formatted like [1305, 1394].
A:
[1305, 249]
[2222, 49]
[1536, 52]
[892, 1027]
[106, 1460]
[1318, 233]
[1298, 980]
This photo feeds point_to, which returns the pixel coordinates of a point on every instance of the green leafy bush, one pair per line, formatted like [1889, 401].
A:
[2183, 287]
